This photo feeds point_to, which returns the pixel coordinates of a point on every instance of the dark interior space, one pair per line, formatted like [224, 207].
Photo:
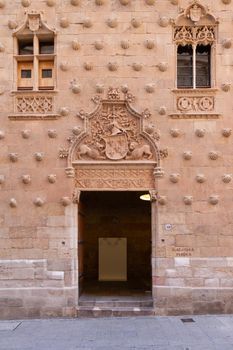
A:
[115, 214]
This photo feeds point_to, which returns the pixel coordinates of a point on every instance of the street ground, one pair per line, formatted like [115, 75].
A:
[133, 333]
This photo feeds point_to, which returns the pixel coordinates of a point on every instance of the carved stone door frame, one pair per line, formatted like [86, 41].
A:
[116, 149]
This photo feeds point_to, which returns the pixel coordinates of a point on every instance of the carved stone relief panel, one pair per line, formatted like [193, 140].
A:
[33, 106]
[194, 104]
[114, 178]
[114, 134]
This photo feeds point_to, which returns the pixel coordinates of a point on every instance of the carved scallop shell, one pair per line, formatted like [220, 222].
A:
[25, 3]
[150, 44]
[75, 45]
[163, 21]
[65, 201]
[226, 87]
[76, 130]
[125, 44]
[52, 178]
[2, 3]
[2, 179]
[125, 2]
[52, 133]
[200, 132]
[226, 132]
[112, 66]
[226, 178]
[39, 156]
[226, 2]
[13, 157]
[163, 66]
[2, 135]
[75, 2]
[175, 132]
[26, 179]
[2, 48]
[137, 66]
[213, 155]
[214, 199]
[162, 110]
[124, 88]
[51, 3]
[226, 43]
[174, 177]
[100, 2]
[150, 2]
[39, 202]
[13, 203]
[150, 88]
[99, 45]
[64, 22]
[76, 88]
[187, 155]
[12, 24]
[162, 200]
[87, 23]
[150, 128]
[188, 200]
[200, 178]
[112, 22]
[136, 22]
[26, 133]
[99, 88]
[88, 66]
[64, 66]
[174, 2]
[64, 111]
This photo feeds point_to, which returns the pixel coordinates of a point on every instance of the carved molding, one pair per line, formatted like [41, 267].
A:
[33, 107]
[118, 178]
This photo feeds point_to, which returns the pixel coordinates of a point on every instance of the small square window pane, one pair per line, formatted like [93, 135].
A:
[46, 47]
[26, 73]
[25, 47]
[47, 73]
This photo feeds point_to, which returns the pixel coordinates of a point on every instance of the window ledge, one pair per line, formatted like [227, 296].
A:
[31, 92]
[181, 115]
[195, 91]
[33, 116]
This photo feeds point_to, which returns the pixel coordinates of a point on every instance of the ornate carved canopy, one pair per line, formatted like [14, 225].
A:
[34, 23]
[195, 25]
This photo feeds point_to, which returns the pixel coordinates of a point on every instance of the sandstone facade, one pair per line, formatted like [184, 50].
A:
[112, 75]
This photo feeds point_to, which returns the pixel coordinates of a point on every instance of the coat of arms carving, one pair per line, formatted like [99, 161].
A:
[115, 140]
[115, 132]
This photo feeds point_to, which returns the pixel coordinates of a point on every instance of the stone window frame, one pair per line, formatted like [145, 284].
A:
[34, 27]
[194, 26]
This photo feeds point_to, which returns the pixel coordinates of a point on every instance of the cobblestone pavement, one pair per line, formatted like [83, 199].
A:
[137, 333]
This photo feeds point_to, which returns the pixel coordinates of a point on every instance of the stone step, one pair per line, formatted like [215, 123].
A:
[83, 311]
[116, 303]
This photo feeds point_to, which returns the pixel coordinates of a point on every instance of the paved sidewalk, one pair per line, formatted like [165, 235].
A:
[139, 333]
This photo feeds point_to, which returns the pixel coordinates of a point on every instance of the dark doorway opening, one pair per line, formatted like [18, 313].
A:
[114, 218]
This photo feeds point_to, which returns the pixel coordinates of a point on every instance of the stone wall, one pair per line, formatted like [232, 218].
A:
[99, 45]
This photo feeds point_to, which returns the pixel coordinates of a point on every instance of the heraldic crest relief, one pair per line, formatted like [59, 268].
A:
[114, 133]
